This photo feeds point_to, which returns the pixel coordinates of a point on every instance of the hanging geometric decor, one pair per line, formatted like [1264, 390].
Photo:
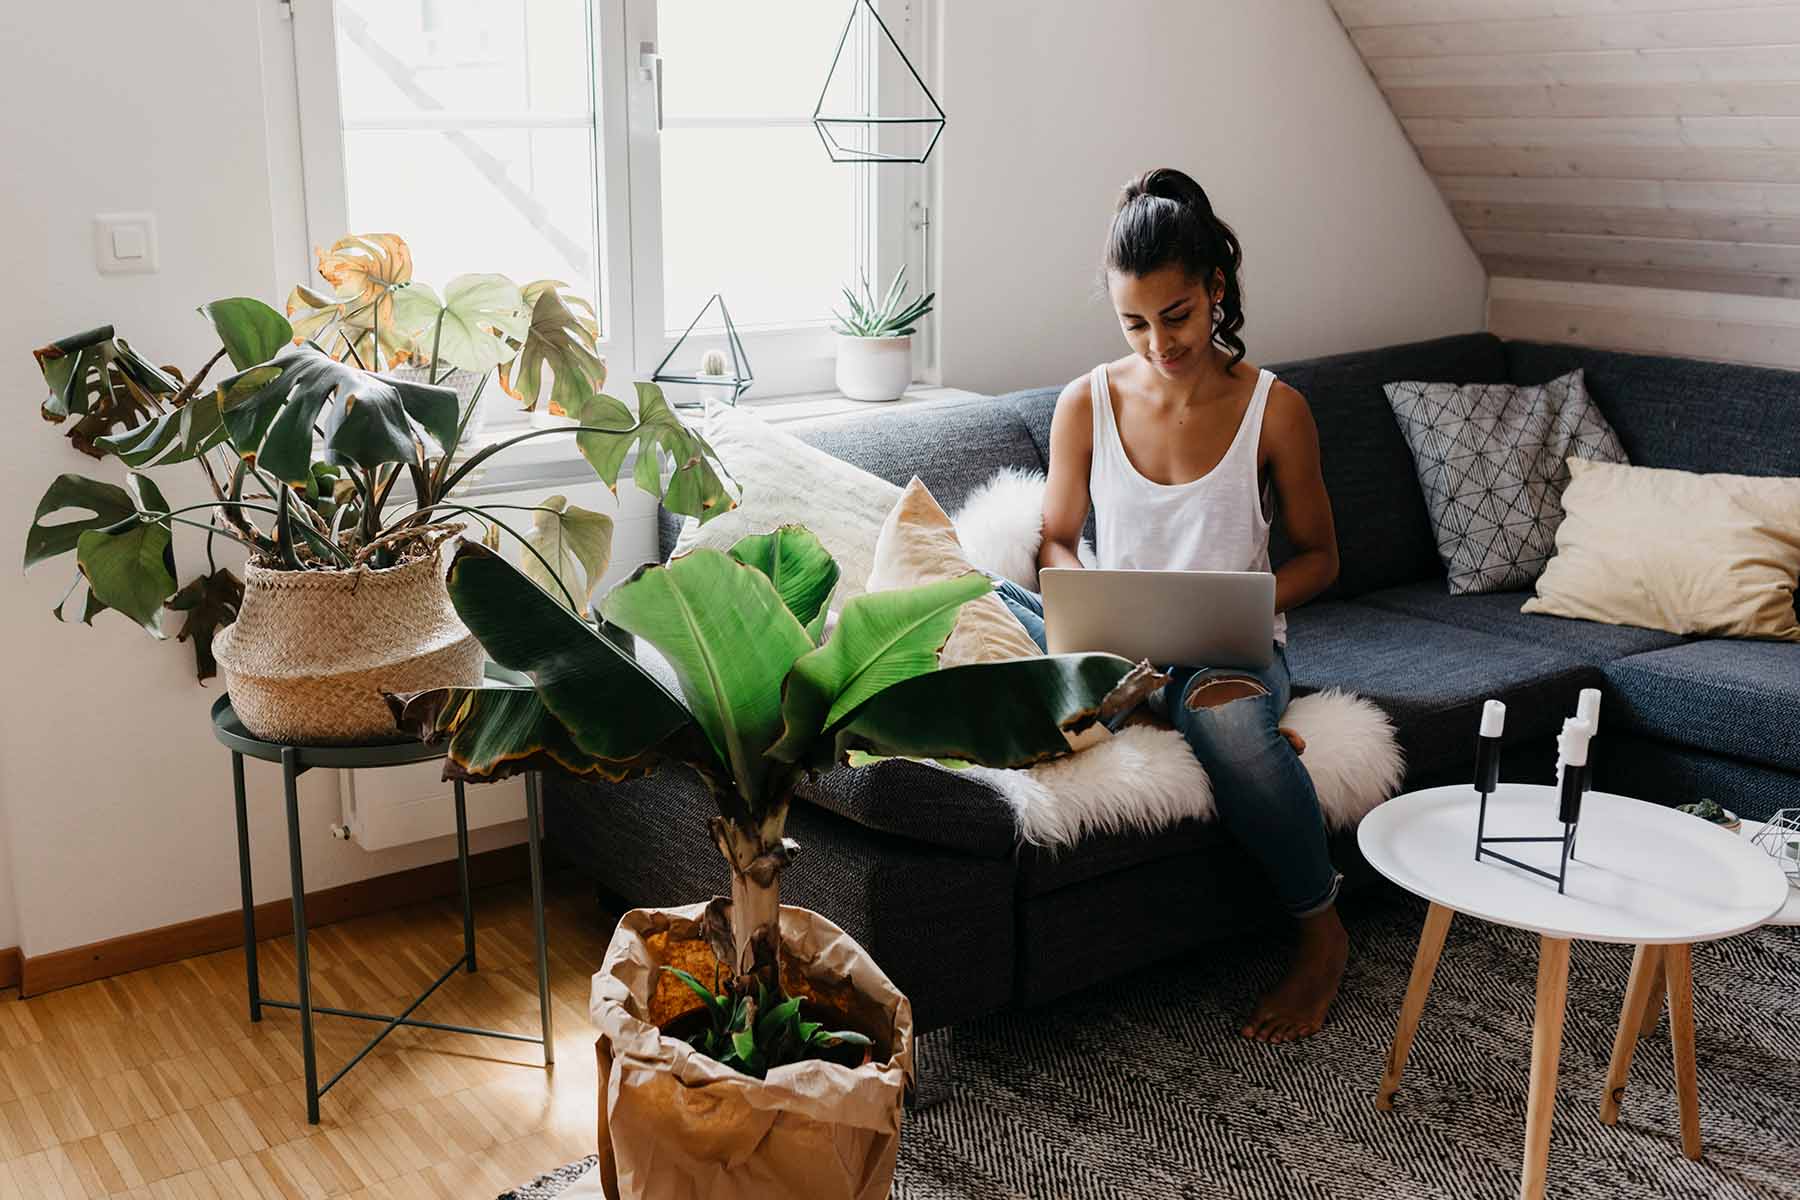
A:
[852, 131]
[705, 369]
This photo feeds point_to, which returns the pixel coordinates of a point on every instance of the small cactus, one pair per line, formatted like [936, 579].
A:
[713, 363]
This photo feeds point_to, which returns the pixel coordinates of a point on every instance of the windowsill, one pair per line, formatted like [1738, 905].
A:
[554, 460]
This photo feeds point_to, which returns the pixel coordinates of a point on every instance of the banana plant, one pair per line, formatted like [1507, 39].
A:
[764, 697]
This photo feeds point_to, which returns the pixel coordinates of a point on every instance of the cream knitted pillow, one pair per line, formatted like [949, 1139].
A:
[784, 481]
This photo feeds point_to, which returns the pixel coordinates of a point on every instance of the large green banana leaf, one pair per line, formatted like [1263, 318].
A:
[368, 419]
[497, 731]
[609, 709]
[881, 639]
[724, 629]
[1001, 714]
[800, 567]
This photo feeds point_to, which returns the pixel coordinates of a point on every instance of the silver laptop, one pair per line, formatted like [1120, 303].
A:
[1171, 618]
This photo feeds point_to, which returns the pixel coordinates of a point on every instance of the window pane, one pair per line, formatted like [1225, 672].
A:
[752, 207]
[731, 58]
[468, 130]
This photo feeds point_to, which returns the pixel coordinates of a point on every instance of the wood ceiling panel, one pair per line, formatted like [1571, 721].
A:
[1598, 100]
[1644, 143]
[1635, 31]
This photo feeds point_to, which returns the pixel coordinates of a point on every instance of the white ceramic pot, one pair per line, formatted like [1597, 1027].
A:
[874, 368]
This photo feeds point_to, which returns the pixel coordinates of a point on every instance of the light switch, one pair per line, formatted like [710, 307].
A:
[125, 243]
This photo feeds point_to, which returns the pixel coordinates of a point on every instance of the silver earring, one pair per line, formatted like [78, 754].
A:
[1218, 313]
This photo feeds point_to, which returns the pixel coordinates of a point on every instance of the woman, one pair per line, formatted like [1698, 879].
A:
[1183, 449]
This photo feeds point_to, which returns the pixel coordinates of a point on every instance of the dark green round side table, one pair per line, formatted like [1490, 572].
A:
[296, 761]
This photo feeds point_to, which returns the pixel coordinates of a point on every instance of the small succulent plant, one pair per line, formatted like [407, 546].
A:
[1710, 810]
[888, 316]
[713, 363]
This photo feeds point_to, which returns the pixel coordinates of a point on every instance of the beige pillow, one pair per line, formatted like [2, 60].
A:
[784, 481]
[917, 545]
[1705, 554]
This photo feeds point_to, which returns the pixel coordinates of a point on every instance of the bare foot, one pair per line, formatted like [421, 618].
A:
[1297, 1006]
[1294, 739]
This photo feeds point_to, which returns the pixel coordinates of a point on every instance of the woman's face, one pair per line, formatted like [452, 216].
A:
[1166, 316]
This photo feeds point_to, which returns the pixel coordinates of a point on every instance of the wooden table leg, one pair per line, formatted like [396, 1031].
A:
[1646, 974]
[1678, 963]
[1653, 1011]
[1546, 1049]
[1424, 968]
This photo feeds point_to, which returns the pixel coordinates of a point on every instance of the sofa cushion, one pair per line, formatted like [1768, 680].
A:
[955, 446]
[1735, 698]
[1681, 412]
[1498, 613]
[1431, 678]
[1665, 774]
[920, 801]
[1384, 534]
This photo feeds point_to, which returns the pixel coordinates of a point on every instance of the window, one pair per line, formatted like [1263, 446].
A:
[648, 152]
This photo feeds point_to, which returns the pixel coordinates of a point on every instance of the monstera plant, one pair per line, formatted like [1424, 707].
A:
[764, 697]
[304, 446]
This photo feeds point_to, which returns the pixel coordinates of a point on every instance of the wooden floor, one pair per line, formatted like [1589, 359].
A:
[156, 1084]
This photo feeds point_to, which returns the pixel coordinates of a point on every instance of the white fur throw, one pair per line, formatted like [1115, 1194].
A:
[1144, 778]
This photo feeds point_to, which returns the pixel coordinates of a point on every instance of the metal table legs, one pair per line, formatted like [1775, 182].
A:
[290, 773]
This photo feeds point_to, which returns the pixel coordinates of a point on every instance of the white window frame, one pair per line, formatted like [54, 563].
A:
[787, 360]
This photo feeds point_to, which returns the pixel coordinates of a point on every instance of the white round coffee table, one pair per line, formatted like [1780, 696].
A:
[1641, 874]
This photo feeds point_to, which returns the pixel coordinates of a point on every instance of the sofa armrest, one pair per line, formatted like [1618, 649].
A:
[918, 801]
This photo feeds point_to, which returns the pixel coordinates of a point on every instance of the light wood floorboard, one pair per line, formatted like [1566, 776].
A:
[156, 1085]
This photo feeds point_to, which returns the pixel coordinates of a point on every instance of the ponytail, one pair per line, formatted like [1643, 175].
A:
[1165, 219]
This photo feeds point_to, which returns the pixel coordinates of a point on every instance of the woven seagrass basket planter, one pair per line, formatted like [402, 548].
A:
[311, 652]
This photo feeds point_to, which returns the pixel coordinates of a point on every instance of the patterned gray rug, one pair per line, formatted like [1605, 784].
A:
[1142, 1088]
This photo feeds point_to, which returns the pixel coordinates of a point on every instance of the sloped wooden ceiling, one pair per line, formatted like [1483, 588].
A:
[1652, 143]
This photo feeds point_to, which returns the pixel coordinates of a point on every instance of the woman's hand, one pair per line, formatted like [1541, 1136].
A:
[1066, 494]
[1290, 452]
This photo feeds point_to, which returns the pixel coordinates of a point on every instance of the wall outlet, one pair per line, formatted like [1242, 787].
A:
[125, 243]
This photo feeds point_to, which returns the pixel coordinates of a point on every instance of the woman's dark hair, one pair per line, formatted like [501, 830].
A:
[1164, 219]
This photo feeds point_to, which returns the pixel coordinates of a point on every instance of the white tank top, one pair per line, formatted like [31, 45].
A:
[1218, 522]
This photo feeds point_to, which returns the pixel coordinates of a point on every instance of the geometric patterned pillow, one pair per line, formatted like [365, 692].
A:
[1491, 461]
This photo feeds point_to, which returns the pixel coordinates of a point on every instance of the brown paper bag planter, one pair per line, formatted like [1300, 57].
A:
[311, 651]
[677, 1125]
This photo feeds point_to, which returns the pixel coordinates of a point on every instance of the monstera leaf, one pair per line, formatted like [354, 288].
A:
[471, 327]
[802, 570]
[724, 629]
[210, 601]
[881, 639]
[368, 419]
[597, 711]
[694, 487]
[130, 565]
[364, 271]
[575, 542]
[250, 330]
[99, 380]
[563, 338]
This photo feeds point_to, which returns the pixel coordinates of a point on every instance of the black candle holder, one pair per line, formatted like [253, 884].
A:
[1572, 785]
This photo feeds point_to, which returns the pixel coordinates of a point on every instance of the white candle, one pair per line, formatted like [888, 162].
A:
[1572, 746]
[1587, 708]
[1493, 719]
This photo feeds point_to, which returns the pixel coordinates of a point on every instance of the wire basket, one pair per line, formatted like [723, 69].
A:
[1780, 838]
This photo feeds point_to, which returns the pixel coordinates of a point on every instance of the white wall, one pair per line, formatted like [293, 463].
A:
[9, 917]
[1053, 107]
[117, 798]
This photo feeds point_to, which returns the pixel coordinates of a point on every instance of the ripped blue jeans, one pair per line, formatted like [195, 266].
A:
[1264, 796]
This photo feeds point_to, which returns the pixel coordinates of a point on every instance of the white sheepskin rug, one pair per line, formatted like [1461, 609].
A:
[1145, 778]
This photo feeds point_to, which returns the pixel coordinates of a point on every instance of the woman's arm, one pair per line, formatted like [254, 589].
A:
[1066, 494]
[1291, 451]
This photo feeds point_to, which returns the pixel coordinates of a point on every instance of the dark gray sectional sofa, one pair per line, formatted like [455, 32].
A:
[921, 865]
